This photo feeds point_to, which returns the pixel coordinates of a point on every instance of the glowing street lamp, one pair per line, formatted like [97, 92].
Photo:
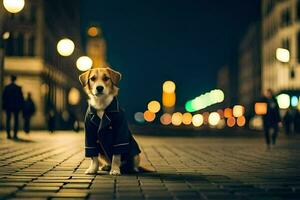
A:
[84, 63]
[283, 55]
[13, 6]
[65, 47]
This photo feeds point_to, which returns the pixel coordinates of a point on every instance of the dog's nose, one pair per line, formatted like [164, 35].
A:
[99, 89]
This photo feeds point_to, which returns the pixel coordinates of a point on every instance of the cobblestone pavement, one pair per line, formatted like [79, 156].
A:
[44, 166]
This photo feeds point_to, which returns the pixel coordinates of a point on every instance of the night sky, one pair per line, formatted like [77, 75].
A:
[184, 41]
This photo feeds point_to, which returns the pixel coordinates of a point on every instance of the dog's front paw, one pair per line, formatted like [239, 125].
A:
[93, 169]
[115, 172]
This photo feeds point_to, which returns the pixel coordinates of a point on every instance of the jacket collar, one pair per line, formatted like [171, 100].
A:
[105, 121]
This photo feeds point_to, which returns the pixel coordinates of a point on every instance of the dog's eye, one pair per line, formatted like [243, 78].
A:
[105, 78]
[93, 78]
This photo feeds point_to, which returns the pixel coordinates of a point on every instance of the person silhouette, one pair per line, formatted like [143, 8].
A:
[28, 111]
[13, 100]
[272, 119]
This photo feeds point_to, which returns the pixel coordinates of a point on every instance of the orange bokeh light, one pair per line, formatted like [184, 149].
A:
[149, 116]
[231, 122]
[187, 118]
[241, 121]
[93, 31]
[260, 108]
[168, 99]
[166, 119]
[228, 112]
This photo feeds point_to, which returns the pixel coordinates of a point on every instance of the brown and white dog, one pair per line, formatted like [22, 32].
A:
[106, 128]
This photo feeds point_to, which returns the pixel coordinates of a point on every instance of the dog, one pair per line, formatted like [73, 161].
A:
[106, 129]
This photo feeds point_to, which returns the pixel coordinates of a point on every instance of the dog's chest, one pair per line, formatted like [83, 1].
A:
[100, 113]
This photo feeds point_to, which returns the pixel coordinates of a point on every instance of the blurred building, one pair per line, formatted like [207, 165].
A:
[31, 53]
[96, 46]
[249, 83]
[224, 82]
[280, 28]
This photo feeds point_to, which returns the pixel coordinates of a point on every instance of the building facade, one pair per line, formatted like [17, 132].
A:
[249, 67]
[280, 29]
[31, 55]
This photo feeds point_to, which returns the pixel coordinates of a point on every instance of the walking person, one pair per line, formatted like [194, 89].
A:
[28, 111]
[13, 100]
[272, 119]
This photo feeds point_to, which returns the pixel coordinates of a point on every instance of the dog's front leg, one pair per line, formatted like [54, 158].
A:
[115, 165]
[94, 166]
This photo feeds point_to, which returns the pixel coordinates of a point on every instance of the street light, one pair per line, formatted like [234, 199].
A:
[13, 6]
[84, 63]
[65, 47]
[284, 56]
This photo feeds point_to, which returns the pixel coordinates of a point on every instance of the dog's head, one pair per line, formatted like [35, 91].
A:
[100, 81]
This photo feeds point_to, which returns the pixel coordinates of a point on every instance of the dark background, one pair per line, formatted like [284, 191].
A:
[184, 41]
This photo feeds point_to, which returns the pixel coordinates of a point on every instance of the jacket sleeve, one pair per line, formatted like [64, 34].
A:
[122, 135]
[92, 148]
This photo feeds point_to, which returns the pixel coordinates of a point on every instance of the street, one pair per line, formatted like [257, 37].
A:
[43, 166]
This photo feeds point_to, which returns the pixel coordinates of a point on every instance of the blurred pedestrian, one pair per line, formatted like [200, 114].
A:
[28, 111]
[272, 119]
[51, 120]
[13, 100]
[289, 121]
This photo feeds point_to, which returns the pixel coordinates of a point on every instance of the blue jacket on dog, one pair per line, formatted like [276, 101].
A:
[110, 135]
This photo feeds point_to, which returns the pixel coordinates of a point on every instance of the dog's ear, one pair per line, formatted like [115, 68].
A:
[115, 76]
[84, 77]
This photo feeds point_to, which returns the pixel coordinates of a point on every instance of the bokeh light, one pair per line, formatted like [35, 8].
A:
[93, 31]
[187, 118]
[221, 113]
[169, 87]
[65, 47]
[154, 106]
[214, 118]
[84, 63]
[241, 121]
[260, 108]
[231, 122]
[238, 110]
[294, 101]
[197, 120]
[177, 119]
[13, 6]
[74, 96]
[149, 116]
[139, 117]
[221, 124]
[166, 119]
[283, 55]
[168, 99]
[205, 100]
[228, 113]
[283, 101]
